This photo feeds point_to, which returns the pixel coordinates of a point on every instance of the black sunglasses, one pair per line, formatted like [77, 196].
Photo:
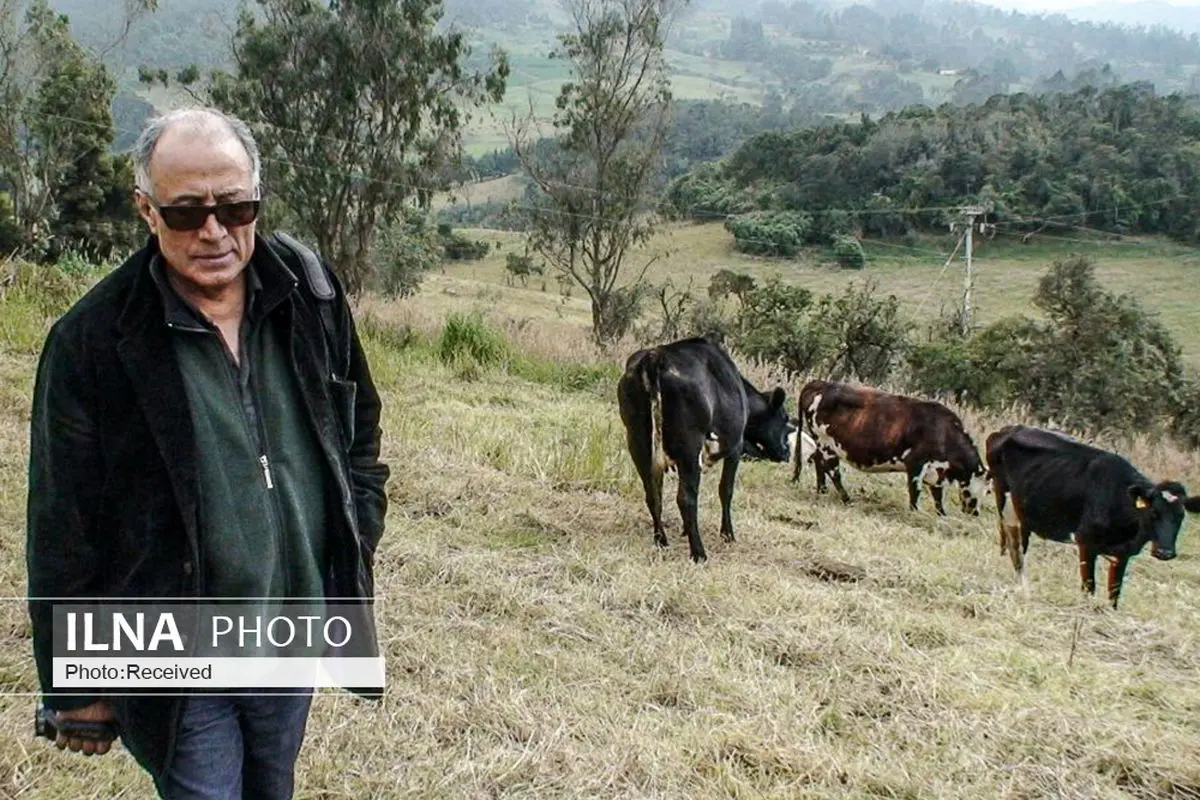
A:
[191, 218]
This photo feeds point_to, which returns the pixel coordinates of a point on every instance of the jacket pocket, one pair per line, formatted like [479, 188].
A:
[344, 394]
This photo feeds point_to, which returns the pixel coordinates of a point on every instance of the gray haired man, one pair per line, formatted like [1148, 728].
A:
[193, 436]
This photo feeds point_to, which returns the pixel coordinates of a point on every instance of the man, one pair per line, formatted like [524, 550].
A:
[195, 436]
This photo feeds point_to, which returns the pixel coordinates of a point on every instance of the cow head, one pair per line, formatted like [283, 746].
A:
[977, 486]
[1160, 510]
[769, 430]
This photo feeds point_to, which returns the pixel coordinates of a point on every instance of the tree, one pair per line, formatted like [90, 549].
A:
[357, 105]
[67, 191]
[611, 122]
[1097, 361]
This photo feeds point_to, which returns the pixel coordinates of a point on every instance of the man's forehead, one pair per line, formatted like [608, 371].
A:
[198, 164]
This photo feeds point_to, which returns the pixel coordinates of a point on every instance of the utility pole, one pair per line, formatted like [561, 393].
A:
[970, 212]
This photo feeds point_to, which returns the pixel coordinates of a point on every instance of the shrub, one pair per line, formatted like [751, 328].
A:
[704, 194]
[458, 247]
[618, 311]
[11, 237]
[468, 342]
[403, 254]
[867, 337]
[1098, 362]
[520, 267]
[769, 233]
[727, 282]
[773, 325]
[849, 252]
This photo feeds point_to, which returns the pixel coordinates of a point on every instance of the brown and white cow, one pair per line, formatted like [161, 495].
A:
[875, 431]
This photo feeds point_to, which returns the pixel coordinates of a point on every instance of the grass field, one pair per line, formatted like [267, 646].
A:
[539, 645]
[1005, 274]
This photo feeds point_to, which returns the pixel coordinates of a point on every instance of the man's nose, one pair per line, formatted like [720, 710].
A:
[211, 229]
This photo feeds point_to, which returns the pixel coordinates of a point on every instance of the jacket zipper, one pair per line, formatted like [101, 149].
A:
[266, 467]
[264, 460]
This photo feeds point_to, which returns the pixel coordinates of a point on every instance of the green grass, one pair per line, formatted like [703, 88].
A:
[539, 645]
[1154, 271]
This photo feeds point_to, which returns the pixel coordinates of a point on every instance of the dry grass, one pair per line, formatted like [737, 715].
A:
[1006, 274]
[539, 645]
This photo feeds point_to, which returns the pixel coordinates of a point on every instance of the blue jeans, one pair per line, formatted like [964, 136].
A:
[238, 745]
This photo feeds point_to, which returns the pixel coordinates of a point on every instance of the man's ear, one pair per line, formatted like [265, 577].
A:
[1139, 496]
[777, 397]
[144, 210]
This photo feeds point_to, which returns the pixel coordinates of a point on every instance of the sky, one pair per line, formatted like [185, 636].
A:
[1062, 5]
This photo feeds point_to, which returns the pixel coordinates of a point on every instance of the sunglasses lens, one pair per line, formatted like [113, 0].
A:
[184, 218]
[233, 215]
[190, 218]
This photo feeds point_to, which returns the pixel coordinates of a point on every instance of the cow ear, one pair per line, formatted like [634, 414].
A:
[1192, 504]
[1138, 495]
[777, 397]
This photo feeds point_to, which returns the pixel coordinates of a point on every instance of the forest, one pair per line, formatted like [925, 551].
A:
[1123, 161]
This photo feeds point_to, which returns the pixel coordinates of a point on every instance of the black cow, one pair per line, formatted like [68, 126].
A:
[1053, 485]
[685, 405]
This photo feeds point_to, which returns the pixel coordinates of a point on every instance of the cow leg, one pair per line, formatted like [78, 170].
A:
[914, 485]
[1014, 536]
[1116, 576]
[1016, 552]
[728, 473]
[836, 474]
[936, 492]
[688, 499]
[1087, 568]
[653, 484]
[820, 467]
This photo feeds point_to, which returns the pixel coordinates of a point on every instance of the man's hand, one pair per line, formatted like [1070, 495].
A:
[96, 712]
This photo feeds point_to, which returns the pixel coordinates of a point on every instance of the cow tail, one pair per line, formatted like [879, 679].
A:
[650, 384]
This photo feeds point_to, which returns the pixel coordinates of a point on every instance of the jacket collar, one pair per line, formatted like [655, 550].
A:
[268, 282]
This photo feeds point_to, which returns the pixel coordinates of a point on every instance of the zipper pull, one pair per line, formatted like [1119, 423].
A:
[266, 470]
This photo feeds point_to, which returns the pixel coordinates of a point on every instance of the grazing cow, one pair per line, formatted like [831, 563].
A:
[879, 432]
[1055, 486]
[685, 405]
[795, 437]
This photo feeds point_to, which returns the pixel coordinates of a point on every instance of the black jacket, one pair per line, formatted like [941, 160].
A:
[112, 473]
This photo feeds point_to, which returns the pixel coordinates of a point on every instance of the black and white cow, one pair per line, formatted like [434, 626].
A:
[796, 438]
[1062, 489]
[686, 405]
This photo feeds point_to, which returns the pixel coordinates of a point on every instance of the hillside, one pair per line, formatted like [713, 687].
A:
[810, 60]
[1119, 161]
[538, 644]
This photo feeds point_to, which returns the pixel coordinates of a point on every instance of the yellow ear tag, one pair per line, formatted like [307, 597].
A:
[1141, 503]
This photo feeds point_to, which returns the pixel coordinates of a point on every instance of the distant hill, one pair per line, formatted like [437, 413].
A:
[181, 32]
[805, 61]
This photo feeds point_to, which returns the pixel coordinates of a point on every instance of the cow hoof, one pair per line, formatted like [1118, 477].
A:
[660, 539]
[727, 536]
[700, 557]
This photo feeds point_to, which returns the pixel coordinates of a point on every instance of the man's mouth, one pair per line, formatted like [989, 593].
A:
[213, 257]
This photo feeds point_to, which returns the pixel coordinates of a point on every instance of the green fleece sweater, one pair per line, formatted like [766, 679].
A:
[263, 500]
